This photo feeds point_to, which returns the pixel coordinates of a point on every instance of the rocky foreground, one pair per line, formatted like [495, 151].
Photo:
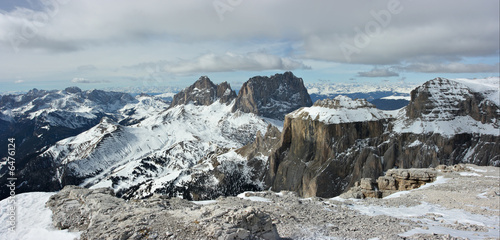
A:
[458, 205]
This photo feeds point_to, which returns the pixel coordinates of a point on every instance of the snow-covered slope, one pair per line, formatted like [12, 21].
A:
[341, 109]
[162, 148]
[33, 219]
[489, 87]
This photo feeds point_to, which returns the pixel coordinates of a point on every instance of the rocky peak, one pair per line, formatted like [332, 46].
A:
[273, 96]
[444, 99]
[204, 92]
[73, 90]
[225, 93]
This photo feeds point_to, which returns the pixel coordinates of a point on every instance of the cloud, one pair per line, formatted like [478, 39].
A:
[325, 28]
[19, 81]
[233, 62]
[454, 67]
[377, 72]
[85, 80]
[85, 68]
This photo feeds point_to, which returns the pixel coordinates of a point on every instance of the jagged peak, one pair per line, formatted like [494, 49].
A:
[204, 92]
[73, 89]
[342, 101]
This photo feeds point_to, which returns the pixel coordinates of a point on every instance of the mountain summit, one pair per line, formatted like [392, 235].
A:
[274, 96]
[204, 92]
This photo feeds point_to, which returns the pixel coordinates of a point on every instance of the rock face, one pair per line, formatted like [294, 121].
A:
[323, 147]
[443, 99]
[272, 97]
[100, 215]
[326, 148]
[204, 92]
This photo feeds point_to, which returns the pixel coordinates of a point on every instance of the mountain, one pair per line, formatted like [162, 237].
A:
[39, 119]
[210, 142]
[325, 148]
[272, 97]
[204, 92]
[143, 145]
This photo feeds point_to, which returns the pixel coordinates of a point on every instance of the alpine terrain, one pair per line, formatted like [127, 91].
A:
[149, 169]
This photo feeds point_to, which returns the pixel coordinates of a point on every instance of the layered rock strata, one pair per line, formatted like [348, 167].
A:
[394, 180]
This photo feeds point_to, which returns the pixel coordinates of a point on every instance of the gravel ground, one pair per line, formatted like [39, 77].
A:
[458, 205]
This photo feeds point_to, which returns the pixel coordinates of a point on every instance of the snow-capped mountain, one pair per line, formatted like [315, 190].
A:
[341, 109]
[160, 150]
[39, 118]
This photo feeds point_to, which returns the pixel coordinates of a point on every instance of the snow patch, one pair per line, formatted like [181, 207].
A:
[34, 220]
[469, 174]
[253, 198]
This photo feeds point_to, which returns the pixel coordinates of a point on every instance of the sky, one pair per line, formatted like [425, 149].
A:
[53, 44]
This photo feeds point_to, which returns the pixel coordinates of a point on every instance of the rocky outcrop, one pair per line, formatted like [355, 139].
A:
[325, 149]
[394, 180]
[100, 215]
[204, 92]
[272, 97]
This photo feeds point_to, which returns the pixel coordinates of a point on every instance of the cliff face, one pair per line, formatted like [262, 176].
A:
[272, 97]
[204, 92]
[326, 148]
[323, 146]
